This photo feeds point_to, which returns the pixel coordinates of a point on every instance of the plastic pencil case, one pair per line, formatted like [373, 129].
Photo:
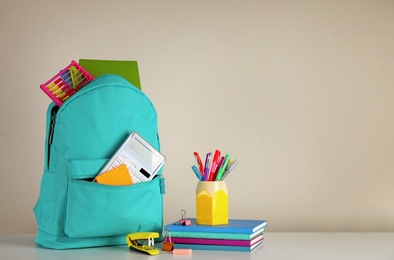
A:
[64, 84]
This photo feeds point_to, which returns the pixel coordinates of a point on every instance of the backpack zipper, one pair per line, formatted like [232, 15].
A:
[51, 130]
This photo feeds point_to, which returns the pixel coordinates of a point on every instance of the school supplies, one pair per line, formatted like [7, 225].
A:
[217, 235]
[219, 248]
[167, 244]
[118, 176]
[125, 68]
[197, 173]
[230, 167]
[71, 210]
[135, 241]
[207, 167]
[182, 251]
[143, 161]
[215, 164]
[218, 242]
[222, 168]
[184, 221]
[211, 203]
[238, 235]
[64, 84]
[241, 226]
[199, 163]
[216, 167]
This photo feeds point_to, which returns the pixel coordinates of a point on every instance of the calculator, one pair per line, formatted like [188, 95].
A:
[141, 159]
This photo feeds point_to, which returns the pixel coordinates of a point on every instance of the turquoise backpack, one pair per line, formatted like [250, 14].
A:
[74, 212]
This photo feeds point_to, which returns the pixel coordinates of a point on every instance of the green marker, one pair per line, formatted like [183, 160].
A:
[221, 170]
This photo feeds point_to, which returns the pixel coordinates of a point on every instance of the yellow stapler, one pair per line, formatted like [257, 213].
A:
[134, 244]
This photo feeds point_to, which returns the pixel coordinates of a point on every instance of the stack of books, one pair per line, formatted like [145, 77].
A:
[237, 235]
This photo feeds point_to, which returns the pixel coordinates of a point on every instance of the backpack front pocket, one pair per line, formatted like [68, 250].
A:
[96, 210]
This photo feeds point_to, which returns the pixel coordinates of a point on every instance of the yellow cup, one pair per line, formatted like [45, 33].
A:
[211, 203]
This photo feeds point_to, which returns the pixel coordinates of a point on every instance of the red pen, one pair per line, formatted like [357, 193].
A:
[199, 163]
[215, 163]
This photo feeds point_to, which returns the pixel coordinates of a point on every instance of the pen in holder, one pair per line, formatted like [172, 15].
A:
[211, 203]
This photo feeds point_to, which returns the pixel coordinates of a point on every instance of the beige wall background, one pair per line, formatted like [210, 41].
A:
[300, 92]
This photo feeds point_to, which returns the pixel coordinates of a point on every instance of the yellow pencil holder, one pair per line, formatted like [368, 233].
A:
[211, 203]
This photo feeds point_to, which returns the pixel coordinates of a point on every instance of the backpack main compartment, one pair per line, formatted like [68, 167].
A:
[82, 135]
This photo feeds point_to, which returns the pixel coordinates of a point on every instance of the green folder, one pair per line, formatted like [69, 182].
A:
[126, 69]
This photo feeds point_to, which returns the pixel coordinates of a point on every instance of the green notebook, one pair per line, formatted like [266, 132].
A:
[126, 69]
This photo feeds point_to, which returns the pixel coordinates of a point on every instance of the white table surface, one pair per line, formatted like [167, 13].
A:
[279, 245]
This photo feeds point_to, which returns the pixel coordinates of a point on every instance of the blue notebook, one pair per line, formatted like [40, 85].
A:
[243, 226]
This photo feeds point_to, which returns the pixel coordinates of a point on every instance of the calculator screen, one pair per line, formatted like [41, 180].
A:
[145, 153]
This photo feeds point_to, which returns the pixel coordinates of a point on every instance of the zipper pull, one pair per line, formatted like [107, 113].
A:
[162, 186]
[52, 125]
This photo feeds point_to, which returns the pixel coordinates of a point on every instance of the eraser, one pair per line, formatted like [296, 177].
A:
[182, 251]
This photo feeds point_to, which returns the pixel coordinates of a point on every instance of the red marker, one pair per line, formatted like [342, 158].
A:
[199, 163]
[215, 163]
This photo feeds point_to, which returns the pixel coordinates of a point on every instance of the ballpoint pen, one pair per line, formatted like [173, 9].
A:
[207, 166]
[230, 168]
[199, 163]
[222, 168]
[197, 173]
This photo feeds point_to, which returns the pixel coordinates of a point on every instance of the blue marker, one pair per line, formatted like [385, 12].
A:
[197, 173]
